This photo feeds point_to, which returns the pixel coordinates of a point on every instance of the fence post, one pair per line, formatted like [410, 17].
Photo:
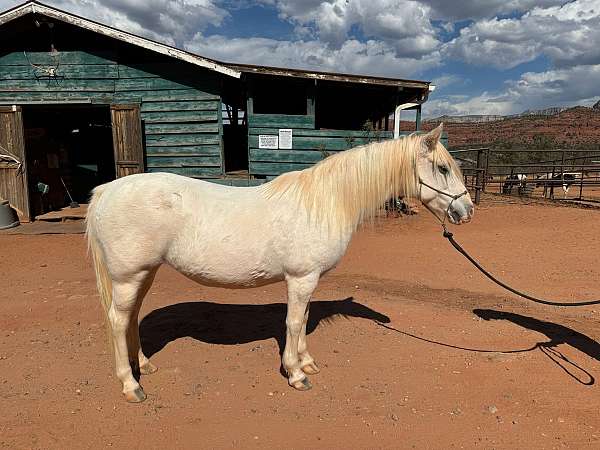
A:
[487, 168]
[478, 181]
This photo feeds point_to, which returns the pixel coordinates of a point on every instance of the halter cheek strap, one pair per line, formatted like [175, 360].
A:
[447, 194]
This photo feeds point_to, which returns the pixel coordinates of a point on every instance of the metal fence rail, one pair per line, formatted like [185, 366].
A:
[486, 170]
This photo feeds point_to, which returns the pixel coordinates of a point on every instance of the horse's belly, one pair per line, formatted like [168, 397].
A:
[229, 277]
[227, 265]
[233, 282]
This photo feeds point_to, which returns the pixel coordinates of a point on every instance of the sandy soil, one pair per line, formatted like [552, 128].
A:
[462, 364]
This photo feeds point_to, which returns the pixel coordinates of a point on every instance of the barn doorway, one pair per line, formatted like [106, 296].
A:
[69, 150]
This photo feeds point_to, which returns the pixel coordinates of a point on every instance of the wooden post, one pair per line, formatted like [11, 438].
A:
[418, 119]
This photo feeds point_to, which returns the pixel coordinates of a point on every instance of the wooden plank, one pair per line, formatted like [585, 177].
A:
[57, 86]
[146, 84]
[55, 97]
[179, 161]
[176, 140]
[195, 105]
[179, 116]
[166, 95]
[184, 150]
[292, 156]
[62, 58]
[238, 182]
[280, 121]
[326, 133]
[190, 171]
[319, 143]
[177, 72]
[182, 128]
[266, 168]
[97, 71]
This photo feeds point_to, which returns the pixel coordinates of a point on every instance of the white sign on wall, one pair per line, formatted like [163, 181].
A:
[285, 138]
[268, 141]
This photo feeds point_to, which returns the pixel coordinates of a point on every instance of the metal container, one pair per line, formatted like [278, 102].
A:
[8, 216]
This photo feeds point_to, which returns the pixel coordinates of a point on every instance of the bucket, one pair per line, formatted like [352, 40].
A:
[8, 216]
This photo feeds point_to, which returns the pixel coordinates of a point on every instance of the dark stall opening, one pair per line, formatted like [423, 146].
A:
[69, 151]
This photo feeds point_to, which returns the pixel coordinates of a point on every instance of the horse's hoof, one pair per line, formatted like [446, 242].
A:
[148, 368]
[135, 396]
[302, 385]
[311, 369]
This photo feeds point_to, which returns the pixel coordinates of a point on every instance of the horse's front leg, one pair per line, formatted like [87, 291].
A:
[307, 363]
[300, 290]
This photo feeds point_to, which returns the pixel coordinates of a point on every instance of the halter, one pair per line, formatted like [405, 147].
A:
[447, 194]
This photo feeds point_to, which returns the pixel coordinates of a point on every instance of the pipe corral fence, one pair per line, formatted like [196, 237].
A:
[557, 174]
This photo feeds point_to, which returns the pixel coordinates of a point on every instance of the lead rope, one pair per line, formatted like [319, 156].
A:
[448, 235]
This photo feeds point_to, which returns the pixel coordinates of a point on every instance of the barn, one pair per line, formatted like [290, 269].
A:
[82, 103]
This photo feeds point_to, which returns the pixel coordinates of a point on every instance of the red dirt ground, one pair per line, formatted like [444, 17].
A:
[219, 385]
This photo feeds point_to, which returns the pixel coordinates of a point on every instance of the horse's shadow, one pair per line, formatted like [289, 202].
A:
[230, 324]
[557, 335]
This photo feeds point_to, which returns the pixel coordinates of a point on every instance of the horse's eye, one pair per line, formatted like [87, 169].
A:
[443, 170]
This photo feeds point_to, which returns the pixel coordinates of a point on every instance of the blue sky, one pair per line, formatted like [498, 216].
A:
[485, 56]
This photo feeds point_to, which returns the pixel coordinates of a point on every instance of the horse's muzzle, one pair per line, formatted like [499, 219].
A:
[461, 214]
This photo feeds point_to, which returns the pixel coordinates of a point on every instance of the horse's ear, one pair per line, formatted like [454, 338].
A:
[432, 138]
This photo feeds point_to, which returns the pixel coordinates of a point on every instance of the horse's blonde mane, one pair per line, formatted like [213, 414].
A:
[351, 187]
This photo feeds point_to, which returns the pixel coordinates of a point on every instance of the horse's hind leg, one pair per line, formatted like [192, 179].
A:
[307, 363]
[299, 292]
[122, 312]
[140, 362]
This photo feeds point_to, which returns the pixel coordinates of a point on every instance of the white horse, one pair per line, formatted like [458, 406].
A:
[294, 229]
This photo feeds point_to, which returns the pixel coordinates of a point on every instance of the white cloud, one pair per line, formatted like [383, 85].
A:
[402, 24]
[368, 58]
[445, 80]
[169, 21]
[477, 9]
[577, 85]
[567, 35]
[459, 105]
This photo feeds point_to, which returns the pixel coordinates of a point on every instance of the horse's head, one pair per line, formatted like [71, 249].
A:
[441, 184]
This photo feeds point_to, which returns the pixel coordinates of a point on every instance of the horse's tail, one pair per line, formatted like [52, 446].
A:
[103, 280]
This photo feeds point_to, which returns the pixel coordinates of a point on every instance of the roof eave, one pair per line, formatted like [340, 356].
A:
[348, 78]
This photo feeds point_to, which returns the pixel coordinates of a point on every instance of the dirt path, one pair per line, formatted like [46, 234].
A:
[418, 385]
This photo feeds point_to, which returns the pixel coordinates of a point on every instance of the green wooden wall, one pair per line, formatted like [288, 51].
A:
[309, 146]
[182, 116]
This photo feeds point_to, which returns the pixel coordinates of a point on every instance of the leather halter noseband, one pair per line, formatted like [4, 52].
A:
[447, 194]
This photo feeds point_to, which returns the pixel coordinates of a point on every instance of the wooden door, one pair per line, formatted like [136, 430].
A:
[127, 139]
[13, 175]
